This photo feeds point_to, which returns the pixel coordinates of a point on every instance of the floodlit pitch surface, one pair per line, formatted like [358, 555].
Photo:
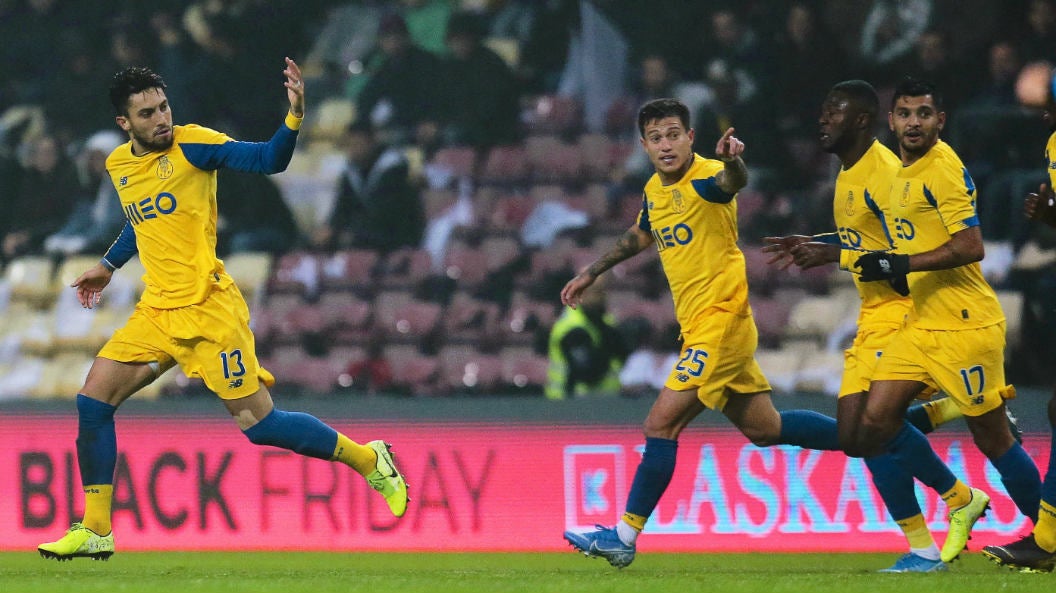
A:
[291, 572]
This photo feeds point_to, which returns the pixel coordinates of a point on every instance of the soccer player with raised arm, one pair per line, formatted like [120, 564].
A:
[689, 212]
[846, 126]
[1037, 551]
[954, 336]
[191, 313]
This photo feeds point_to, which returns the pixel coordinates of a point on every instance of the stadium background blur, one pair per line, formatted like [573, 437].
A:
[521, 155]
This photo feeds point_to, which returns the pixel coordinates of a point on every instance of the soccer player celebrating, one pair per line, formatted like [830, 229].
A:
[191, 312]
[689, 213]
[847, 123]
[954, 336]
[1037, 552]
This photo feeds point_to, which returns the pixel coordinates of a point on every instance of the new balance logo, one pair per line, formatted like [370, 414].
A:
[234, 384]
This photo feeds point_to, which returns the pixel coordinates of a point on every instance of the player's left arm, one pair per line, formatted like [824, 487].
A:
[734, 175]
[268, 157]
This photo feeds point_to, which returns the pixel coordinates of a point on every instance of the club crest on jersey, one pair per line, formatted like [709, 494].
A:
[849, 209]
[905, 195]
[164, 168]
[678, 204]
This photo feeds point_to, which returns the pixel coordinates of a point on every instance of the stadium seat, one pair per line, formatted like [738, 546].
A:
[781, 367]
[762, 277]
[402, 318]
[467, 266]
[404, 268]
[349, 269]
[469, 320]
[250, 271]
[464, 369]
[30, 279]
[771, 318]
[347, 319]
[525, 317]
[523, 370]
[459, 161]
[1012, 304]
[505, 166]
[815, 317]
[413, 372]
[596, 156]
[296, 273]
[821, 372]
[551, 114]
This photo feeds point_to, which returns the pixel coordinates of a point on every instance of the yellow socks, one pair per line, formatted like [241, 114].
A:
[97, 501]
[917, 532]
[636, 521]
[1045, 530]
[958, 496]
[941, 411]
[360, 458]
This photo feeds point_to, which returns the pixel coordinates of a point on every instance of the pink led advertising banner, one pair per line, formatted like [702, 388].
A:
[192, 483]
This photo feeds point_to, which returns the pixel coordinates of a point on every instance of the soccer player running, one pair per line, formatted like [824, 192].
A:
[689, 213]
[191, 312]
[846, 127]
[954, 336]
[1037, 551]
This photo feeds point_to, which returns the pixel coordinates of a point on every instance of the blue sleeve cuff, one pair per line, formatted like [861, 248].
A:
[829, 238]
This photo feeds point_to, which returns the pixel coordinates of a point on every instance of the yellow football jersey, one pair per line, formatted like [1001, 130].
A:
[169, 200]
[930, 201]
[1050, 166]
[694, 225]
[859, 208]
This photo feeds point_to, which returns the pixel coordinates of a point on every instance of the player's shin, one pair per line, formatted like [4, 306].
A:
[96, 459]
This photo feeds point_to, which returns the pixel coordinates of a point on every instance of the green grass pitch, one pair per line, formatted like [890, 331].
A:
[293, 572]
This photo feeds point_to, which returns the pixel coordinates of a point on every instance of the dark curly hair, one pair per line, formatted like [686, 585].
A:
[130, 81]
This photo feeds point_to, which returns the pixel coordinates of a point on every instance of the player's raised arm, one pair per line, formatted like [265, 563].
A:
[294, 87]
[630, 243]
[734, 176]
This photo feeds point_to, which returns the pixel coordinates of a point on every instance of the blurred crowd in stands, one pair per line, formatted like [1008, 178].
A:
[460, 158]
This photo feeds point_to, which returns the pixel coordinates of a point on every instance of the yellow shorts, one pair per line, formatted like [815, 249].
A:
[210, 340]
[967, 364]
[860, 360]
[718, 359]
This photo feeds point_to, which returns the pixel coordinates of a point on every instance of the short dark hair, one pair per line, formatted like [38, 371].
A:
[913, 87]
[132, 80]
[660, 109]
[861, 93]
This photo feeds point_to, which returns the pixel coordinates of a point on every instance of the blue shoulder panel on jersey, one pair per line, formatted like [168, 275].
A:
[709, 190]
[252, 157]
[930, 197]
[123, 248]
[969, 183]
[971, 221]
[643, 222]
[875, 209]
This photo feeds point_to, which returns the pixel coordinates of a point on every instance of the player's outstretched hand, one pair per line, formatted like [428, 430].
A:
[882, 265]
[294, 87]
[90, 285]
[1041, 206]
[573, 290]
[729, 147]
[780, 249]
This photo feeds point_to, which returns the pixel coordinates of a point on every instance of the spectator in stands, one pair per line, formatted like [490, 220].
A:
[737, 45]
[586, 350]
[1038, 38]
[891, 29]
[998, 89]
[251, 215]
[400, 97]
[933, 59]
[377, 205]
[805, 65]
[48, 189]
[97, 216]
[371, 375]
[483, 108]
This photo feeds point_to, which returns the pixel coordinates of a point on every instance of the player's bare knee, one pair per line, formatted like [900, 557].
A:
[245, 419]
